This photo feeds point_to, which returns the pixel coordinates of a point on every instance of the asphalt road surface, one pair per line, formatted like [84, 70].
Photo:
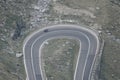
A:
[89, 48]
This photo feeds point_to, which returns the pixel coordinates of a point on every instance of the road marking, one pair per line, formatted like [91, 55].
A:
[79, 57]
[27, 78]
[55, 38]
[77, 61]
[90, 31]
[86, 57]
[97, 49]
[39, 38]
[32, 57]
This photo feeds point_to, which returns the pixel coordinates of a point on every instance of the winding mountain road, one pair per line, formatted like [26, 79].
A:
[89, 43]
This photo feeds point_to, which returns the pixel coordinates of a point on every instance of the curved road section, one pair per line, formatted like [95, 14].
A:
[89, 48]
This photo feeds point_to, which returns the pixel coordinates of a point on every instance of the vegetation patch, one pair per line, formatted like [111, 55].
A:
[59, 58]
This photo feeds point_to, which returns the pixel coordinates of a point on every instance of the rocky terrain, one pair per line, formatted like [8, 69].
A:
[18, 18]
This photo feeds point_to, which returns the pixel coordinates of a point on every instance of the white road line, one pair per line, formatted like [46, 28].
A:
[40, 66]
[94, 34]
[32, 57]
[90, 31]
[55, 38]
[27, 77]
[97, 49]
[77, 61]
[79, 57]
[41, 58]
[86, 57]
